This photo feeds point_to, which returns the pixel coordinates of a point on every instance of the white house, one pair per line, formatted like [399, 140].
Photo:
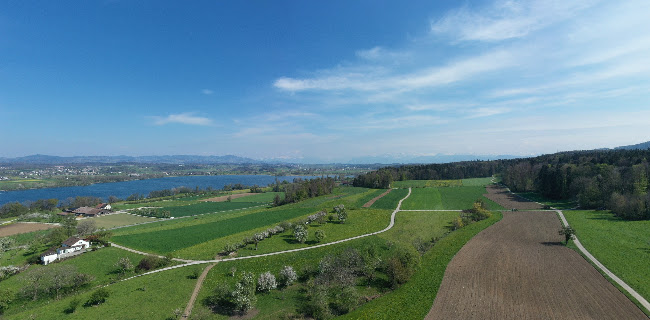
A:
[69, 246]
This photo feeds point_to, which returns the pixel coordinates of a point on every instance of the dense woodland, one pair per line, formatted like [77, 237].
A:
[597, 179]
[303, 189]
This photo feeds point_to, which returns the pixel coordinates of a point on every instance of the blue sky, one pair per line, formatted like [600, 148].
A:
[322, 81]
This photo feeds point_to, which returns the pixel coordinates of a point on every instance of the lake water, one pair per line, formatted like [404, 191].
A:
[127, 188]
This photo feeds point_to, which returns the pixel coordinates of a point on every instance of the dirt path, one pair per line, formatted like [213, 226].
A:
[371, 202]
[519, 269]
[197, 289]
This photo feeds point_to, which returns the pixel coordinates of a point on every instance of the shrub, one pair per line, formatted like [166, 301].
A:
[320, 235]
[98, 297]
[151, 262]
[266, 282]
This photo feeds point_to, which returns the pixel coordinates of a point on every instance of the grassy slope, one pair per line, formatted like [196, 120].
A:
[170, 240]
[414, 299]
[208, 207]
[99, 264]
[163, 292]
[622, 246]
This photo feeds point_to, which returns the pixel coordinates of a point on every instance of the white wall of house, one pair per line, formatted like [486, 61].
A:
[48, 259]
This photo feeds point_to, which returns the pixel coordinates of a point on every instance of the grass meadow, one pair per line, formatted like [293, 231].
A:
[447, 198]
[622, 246]
[119, 219]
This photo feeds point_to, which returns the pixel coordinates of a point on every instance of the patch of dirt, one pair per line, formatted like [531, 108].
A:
[249, 315]
[371, 202]
[509, 200]
[21, 227]
[515, 269]
[225, 198]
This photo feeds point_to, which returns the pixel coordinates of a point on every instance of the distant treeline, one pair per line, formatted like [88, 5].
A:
[303, 189]
[598, 179]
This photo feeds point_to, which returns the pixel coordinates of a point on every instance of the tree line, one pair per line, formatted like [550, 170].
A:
[304, 189]
[596, 179]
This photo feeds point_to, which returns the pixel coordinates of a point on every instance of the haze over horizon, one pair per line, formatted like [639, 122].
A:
[333, 81]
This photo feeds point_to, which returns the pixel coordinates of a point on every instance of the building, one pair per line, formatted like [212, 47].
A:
[69, 247]
[104, 206]
[91, 212]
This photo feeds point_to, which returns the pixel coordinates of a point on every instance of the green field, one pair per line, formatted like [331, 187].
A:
[119, 219]
[261, 197]
[558, 204]
[451, 198]
[208, 207]
[390, 201]
[170, 240]
[473, 182]
[622, 246]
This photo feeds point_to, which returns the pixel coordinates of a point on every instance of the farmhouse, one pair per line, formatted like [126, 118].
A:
[103, 206]
[91, 212]
[69, 247]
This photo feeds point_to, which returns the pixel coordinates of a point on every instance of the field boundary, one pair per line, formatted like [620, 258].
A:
[604, 269]
[371, 202]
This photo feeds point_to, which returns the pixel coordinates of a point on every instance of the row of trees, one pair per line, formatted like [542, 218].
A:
[613, 179]
[14, 209]
[304, 189]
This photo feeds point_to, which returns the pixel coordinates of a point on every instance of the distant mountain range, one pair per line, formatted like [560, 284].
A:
[178, 159]
[230, 159]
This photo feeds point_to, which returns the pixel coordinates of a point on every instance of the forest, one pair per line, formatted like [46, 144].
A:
[598, 179]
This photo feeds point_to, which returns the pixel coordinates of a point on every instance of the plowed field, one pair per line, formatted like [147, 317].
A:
[519, 269]
[508, 200]
[18, 227]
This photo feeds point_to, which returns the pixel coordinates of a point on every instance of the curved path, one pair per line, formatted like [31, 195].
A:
[519, 269]
[610, 274]
[197, 288]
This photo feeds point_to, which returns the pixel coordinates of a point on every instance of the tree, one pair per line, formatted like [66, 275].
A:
[287, 276]
[341, 213]
[86, 227]
[568, 233]
[69, 224]
[123, 266]
[6, 297]
[113, 199]
[300, 233]
[266, 282]
[320, 235]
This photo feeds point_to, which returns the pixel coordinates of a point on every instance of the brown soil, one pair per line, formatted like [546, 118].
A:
[225, 198]
[509, 200]
[371, 202]
[19, 227]
[520, 269]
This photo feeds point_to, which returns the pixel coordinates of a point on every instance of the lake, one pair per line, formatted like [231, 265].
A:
[127, 188]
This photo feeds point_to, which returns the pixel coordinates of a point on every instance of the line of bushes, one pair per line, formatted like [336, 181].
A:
[414, 299]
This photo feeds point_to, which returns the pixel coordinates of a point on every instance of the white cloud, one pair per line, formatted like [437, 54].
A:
[182, 118]
[207, 91]
[505, 19]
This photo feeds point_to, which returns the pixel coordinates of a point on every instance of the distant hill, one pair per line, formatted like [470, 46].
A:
[439, 158]
[178, 159]
[642, 146]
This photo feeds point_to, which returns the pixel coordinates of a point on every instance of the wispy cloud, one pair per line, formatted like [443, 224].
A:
[503, 20]
[183, 118]
[207, 91]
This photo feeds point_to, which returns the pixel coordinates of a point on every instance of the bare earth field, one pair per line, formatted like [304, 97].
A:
[519, 269]
[508, 200]
[225, 198]
[21, 227]
[371, 202]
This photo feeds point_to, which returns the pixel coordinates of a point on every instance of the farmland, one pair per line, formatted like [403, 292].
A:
[19, 227]
[447, 198]
[118, 220]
